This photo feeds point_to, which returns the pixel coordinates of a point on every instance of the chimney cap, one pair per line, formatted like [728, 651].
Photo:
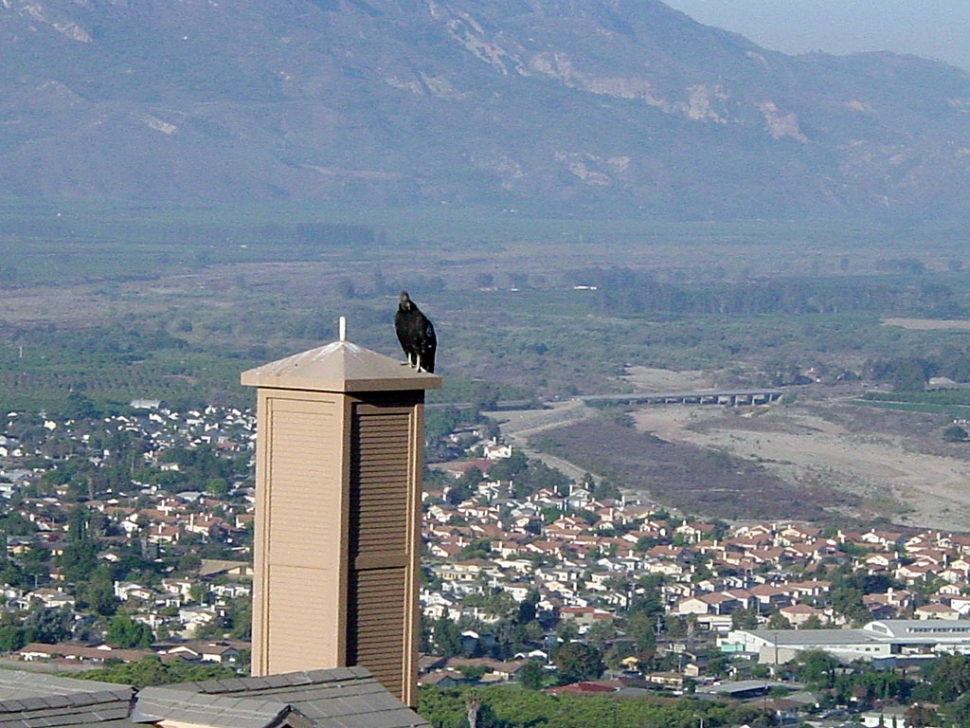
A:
[340, 366]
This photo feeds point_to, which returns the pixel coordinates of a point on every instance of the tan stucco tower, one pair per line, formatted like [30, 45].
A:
[338, 498]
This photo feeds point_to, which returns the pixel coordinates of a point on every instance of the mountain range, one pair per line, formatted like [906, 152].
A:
[559, 107]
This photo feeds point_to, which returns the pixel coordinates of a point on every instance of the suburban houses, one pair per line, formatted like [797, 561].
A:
[167, 498]
[731, 600]
[154, 505]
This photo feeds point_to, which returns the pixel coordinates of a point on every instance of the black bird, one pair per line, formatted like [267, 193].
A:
[416, 334]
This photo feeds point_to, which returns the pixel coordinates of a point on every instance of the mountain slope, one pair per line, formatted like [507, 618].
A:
[585, 106]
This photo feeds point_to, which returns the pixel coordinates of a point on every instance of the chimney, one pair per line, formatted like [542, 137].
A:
[338, 497]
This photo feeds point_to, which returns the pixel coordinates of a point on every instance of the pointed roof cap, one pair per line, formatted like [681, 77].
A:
[340, 367]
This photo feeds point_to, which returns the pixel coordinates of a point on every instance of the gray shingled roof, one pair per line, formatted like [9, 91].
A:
[29, 699]
[155, 704]
[337, 698]
[348, 697]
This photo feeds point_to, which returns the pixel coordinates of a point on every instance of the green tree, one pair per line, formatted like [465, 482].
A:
[441, 422]
[608, 489]
[640, 628]
[957, 712]
[532, 675]
[189, 563]
[528, 635]
[674, 626]
[847, 601]
[495, 603]
[509, 468]
[472, 477]
[15, 524]
[884, 684]
[920, 716]
[601, 633]
[744, 619]
[80, 555]
[217, 487]
[478, 549]
[950, 677]
[13, 575]
[98, 595]
[198, 592]
[447, 638]
[567, 631]
[777, 620]
[124, 632]
[577, 661]
[35, 566]
[473, 672]
[12, 638]
[527, 607]
[49, 626]
[955, 433]
[78, 560]
[909, 375]
[241, 618]
[645, 543]
[817, 668]
[504, 708]
[150, 670]
[719, 664]
[80, 407]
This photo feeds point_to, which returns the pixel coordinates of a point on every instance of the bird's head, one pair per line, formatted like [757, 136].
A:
[404, 301]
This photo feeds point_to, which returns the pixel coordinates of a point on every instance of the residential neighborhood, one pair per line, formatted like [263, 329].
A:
[130, 536]
[671, 602]
[141, 518]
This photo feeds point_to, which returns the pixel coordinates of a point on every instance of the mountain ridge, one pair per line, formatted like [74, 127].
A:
[597, 107]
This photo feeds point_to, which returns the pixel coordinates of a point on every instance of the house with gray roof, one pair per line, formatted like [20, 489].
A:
[29, 699]
[335, 698]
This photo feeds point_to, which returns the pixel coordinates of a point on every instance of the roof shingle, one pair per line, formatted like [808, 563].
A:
[335, 698]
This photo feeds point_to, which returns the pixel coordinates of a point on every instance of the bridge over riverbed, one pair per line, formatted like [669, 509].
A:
[727, 397]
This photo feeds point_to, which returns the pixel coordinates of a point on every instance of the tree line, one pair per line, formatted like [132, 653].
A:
[502, 707]
[631, 292]
[938, 695]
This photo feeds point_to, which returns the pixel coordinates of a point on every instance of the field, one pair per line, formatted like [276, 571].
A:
[113, 306]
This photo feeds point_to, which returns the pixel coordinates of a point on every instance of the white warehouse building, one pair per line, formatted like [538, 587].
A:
[883, 641]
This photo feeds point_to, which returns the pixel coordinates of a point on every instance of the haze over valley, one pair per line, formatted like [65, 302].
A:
[701, 311]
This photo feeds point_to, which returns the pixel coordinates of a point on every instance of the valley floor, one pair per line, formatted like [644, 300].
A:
[894, 462]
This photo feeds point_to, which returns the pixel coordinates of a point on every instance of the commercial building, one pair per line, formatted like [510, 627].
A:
[887, 642]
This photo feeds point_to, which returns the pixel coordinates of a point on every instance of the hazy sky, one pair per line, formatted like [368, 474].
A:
[938, 29]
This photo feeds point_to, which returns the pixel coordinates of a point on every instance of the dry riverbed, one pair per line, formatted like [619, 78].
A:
[894, 460]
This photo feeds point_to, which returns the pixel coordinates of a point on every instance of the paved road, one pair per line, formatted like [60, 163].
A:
[519, 425]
